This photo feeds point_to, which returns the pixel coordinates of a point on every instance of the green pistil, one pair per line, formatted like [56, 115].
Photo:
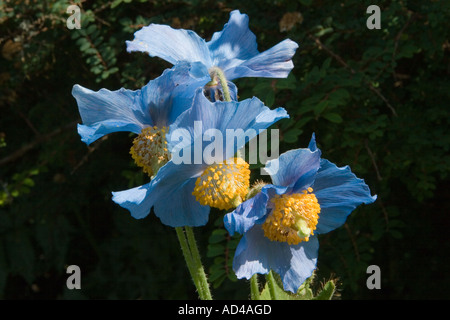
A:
[217, 74]
[301, 226]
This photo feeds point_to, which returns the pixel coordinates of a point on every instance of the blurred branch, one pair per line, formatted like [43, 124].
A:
[41, 139]
[97, 53]
[372, 157]
[352, 239]
[29, 124]
[343, 63]
[90, 150]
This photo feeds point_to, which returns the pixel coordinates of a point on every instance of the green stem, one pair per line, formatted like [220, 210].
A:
[203, 287]
[217, 72]
[193, 261]
[186, 253]
[271, 284]
[254, 288]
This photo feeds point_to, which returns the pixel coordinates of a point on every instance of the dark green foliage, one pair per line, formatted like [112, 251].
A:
[376, 99]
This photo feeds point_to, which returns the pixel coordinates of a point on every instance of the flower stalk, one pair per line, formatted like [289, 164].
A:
[254, 287]
[193, 261]
[272, 285]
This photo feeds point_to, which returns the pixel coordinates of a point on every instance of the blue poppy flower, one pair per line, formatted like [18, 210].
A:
[233, 50]
[183, 191]
[158, 103]
[308, 196]
[147, 112]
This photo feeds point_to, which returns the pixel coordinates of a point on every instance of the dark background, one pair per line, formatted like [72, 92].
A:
[378, 100]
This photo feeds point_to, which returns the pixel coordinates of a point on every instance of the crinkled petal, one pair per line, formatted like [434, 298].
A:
[234, 44]
[172, 45]
[108, 111]
[169, 95]
[257, 254]
[273, 63]
[235, 51]
[136, 200]
[241, 120]
[94, 132]
[170, 193]
[251, 211]
[294, 168]
[338, 192]
[180, 208]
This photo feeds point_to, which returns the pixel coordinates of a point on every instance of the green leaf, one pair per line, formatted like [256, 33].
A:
[215, 250]
[273, 290]
[217, 236]
[289, 83]
[270, 98]
[279, 293]
[327, 292]
[261, 87]
[333, 117]
[291, 136]
[323, 32]
[306, 2]
[320, 107]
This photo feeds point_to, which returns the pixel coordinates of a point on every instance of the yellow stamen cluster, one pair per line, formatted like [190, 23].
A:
[293, 218]
[149, 149]
[224, 185]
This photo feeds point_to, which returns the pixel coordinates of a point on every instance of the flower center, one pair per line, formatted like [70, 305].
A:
[293, 218]
[223, 185]
[149, 149]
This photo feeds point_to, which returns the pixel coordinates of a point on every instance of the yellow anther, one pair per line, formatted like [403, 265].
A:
[293, 218]
[223, 185]
[149, 149]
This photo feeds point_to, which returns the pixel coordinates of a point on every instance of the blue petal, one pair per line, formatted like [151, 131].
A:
[251, 212]
[273, 63]
[312, 143]
[294, 168]
[91, 133]
[234, 50]
[170, 193]
[180, 208]
[158, 103]
[243, 119]
[172, 93]
[234, 44]
[257, 254]
[339, 192]
[136, 200]
[110, 111]
[172, 45]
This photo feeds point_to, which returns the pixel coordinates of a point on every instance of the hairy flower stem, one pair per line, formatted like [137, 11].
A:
[203, 282]
[217, 72]
[254, 288]
[193, 261]
[271, 283]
